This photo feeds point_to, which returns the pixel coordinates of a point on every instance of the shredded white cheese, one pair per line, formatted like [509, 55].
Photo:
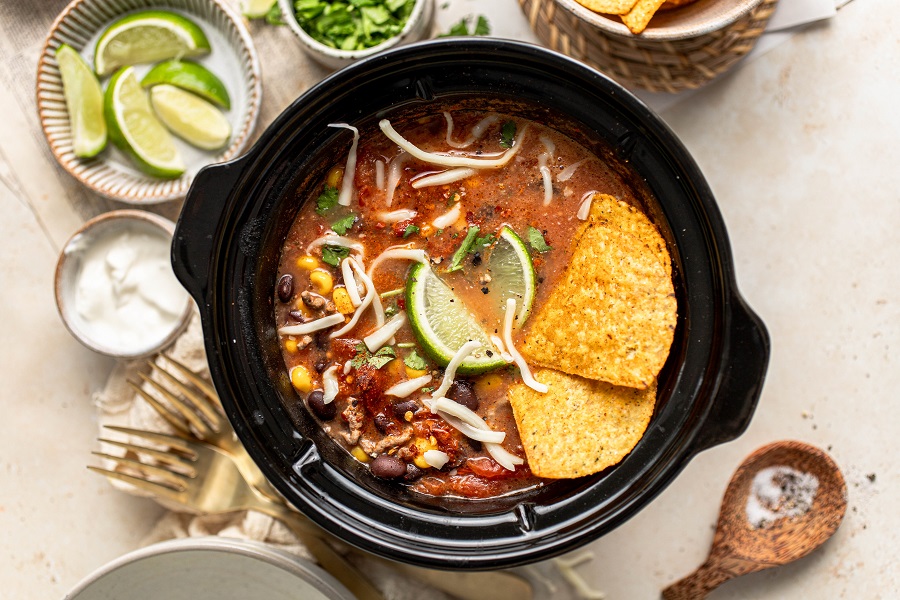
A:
[435, 458]
[406, 252]
[546, 177]
[442, 178]
[504, 458]
[330, 383]
[350, 283]
[465, 420]
[448, 218]
[449, 160]
[312, 326]
[332, 239]
[549, 145]
[567, 173]
[383, 334]
[395, 172]
[405, 388]
[379, 174]
[498, 342]
[350, 167]
[477, 130]
[395, 216]
[450, 372]
[584, 209]
[347, 366]
[370, 295]
[527, 378]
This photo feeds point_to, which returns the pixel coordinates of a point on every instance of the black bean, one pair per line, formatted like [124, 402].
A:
[463, 392]
[297, 315]
[401, 408]
[316, 402]
[286, 287]
[386, 466]
[383, 423]
[323, 339]
[476, 259]
[320, 366]
[412, 472]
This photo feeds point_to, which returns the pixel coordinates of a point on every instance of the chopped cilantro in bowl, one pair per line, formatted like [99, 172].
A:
[336, 32]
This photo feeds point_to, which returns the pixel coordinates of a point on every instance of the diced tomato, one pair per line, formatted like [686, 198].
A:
[488, 468]
[400, 228]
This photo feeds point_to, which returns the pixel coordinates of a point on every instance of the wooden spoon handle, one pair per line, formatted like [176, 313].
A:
[713, 573]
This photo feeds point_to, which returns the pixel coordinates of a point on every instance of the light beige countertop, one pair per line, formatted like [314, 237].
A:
[800, 146]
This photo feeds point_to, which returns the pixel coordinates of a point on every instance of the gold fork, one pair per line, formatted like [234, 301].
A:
[197, 413]
[201, 478]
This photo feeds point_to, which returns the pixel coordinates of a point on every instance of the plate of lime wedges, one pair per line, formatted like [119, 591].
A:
[135, 98]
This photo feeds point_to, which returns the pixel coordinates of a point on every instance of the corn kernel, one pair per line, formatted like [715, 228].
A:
[360, 455]
[290, 346]
[487, 384]
[426, 230]
[322, 281]
[413, 373]
[419, 461]
[422, 445]
[301, 379]
[303, 308]
[335, 176]
[308, 262]
[342, 301]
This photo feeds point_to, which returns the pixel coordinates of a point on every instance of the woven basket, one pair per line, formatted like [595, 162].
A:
[654, 65]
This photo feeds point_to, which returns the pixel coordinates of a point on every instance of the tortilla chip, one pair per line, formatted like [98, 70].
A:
[612, 315]
[639, 16]
[579, 426]
[609, 7]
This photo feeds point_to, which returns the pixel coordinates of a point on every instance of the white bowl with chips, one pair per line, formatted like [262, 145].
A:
[111, 173]
[692, 20]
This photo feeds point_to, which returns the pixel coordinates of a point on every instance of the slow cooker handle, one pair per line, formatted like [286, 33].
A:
[745, 362]
[193, 244]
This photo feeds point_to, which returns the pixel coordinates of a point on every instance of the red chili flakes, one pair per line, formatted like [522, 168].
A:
[472, 219]
[400, 228]
[401, 303]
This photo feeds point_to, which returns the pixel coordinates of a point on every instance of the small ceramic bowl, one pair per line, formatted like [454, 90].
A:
[209, 568]
[233, 59]
[70, 270]
[696, 19]
[417, 27]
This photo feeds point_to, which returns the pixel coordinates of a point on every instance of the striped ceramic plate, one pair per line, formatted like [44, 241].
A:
[233, 59]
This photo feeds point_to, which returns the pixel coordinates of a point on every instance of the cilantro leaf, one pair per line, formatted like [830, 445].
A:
[390, 311]
[481, 243]
[410, 230]
[273, 17]
[333, 255]
[352, 24]
[327, 200]
[482, 27]
[508, 134]
[463, 250]
[377, 360]
[460, 28]
[341, 226]
[414, 361]
[536, 239]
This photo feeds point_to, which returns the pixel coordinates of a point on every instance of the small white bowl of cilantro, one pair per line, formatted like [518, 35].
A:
[338, 32]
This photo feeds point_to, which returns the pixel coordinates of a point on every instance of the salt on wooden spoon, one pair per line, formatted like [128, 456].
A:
[782, 503]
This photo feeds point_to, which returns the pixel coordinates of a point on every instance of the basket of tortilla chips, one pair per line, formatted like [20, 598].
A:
[657, 45]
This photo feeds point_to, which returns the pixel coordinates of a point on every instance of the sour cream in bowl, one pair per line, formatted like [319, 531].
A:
[115, 289]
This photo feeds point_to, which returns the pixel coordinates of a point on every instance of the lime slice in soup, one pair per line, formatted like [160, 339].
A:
[134, 128]
[148, 36]
[512, 275]
[189, 76]
[442, 323]
[190, 117]
[84, 101]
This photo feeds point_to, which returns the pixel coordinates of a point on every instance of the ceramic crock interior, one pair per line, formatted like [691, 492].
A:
[320, 477]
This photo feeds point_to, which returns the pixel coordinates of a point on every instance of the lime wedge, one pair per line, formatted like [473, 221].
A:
[442, 323]
[256, 9]
[512, 274]
[84, 101]
[148, 36]
[190, 117]
[135, 129]
[191, 77]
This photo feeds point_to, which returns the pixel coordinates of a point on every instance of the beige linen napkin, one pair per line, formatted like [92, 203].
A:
[119, 405]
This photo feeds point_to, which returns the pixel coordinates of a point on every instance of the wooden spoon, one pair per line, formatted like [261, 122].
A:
[738, 548]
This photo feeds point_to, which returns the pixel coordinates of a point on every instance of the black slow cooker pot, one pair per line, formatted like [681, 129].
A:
[226, 251]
